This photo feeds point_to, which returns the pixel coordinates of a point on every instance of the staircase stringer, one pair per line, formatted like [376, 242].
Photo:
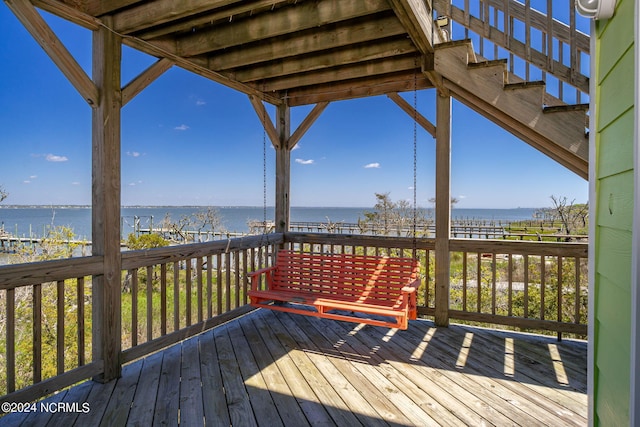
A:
[518, 107]
[566, 158]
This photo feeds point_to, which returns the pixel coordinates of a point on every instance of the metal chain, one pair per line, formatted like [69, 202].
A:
[415, 154]
[264, 166]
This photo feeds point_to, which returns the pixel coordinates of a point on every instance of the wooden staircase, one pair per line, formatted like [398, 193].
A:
[523, 108]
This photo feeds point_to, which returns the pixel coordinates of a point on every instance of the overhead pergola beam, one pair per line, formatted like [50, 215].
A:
[47, 39]
[407, 108]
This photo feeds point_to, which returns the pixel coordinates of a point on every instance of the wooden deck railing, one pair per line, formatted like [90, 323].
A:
[539, 43]
[46, 318]
[169, 294]
[531, 285]
[45, 340]
[176, 292]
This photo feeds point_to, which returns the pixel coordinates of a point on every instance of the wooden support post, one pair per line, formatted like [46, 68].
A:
[105, 211]
[283, 169]
[443, 207]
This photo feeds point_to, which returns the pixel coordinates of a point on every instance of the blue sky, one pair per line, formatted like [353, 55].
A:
[189, 141]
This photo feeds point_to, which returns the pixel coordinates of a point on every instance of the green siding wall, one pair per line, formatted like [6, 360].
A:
[614, 74]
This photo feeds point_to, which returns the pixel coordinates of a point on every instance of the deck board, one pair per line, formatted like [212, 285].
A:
[274, 368]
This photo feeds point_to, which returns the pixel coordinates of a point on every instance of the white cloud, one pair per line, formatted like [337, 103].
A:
[375, 165]
[181, 127]
[54, 158]
[75, 183]
[33, 176]
[133, 154]
[26, 181]
[304, 162]
[200, 102]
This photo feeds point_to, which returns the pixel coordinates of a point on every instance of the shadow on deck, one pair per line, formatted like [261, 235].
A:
[273, 368]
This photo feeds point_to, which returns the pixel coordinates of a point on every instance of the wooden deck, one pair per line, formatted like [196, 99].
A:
[272, 368]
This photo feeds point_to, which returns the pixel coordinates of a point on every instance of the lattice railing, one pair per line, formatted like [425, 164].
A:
[542, 40]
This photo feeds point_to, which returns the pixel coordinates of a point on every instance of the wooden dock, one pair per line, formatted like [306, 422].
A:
[278, 369]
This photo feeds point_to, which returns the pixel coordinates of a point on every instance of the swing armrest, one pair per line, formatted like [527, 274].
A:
[255, 277]
[411, 287]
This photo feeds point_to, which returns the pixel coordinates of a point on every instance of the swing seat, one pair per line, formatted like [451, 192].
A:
[374, 285]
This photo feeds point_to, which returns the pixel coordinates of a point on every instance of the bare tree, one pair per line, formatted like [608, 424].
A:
[3, 194]
[571, 215]
[209, 220]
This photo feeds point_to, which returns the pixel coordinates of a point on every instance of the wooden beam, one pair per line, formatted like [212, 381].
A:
[443, 208]
[282, 21]
[164, 52]
[339, 74]
[106, 199]
[47, 39]
[144, 79]
[261, 111]
[380, 50]
[69, 13]
[152, 13]
[567, 158]
[416, 17]
[357, 88]
[283, 170]
[340, 35]
[407, 108]
[227, 14]
[306, 124]
[103, 7]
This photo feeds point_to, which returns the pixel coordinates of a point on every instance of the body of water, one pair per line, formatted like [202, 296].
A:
[35, 221]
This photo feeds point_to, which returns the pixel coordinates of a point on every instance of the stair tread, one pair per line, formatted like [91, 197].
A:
[524, 85]
[568, 107]
[491, 63]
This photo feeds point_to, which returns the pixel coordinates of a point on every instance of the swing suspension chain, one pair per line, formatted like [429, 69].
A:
[415, 154]
[264, 167]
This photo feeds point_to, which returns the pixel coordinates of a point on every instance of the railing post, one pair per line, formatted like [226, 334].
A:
[105, 210]
[443, 207]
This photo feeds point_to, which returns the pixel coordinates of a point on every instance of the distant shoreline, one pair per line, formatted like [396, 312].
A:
[233, 206]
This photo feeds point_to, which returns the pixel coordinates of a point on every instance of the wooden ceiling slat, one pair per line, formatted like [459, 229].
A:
[300, 44]
[152, 13]
[227, 13]
[358, 88]
[333, 75]
[279, 22]
[329, 59]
